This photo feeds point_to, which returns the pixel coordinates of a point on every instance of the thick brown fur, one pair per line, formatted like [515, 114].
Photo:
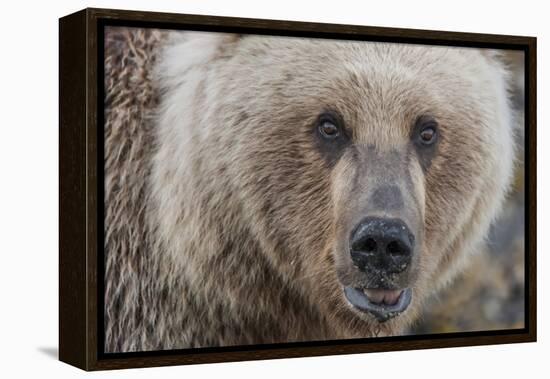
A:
[224, 223]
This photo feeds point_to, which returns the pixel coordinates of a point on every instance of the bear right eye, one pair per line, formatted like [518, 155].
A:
[330, 135]
[329, 126]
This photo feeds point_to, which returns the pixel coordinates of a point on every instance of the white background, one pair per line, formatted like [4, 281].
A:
[29, 185]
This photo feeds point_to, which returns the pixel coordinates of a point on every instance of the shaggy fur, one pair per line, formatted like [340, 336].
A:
[224, 221]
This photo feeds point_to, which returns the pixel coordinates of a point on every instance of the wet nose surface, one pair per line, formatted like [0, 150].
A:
[382, 244]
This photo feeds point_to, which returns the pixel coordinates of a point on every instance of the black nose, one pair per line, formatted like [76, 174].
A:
[382, 244]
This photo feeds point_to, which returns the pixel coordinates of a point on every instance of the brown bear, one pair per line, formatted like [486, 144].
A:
[277, 189]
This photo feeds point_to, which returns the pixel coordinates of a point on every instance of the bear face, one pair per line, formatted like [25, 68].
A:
[362, 173]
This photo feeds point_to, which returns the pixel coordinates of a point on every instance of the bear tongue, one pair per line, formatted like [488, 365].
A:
[379, 296]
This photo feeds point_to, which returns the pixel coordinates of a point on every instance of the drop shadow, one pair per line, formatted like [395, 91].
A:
[50, 351]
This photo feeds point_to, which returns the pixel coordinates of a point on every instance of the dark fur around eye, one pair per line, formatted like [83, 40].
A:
[425, 136]
[330, 136]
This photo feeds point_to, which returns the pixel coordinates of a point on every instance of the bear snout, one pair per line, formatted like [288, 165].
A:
[381, 245]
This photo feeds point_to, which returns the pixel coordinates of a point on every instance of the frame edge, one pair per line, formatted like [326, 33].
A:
[531, 172]
[72, 190]
[78, 198]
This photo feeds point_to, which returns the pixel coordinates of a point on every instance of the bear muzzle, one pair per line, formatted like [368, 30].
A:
[381, 250]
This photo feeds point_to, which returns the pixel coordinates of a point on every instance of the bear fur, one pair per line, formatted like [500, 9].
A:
[220, 211]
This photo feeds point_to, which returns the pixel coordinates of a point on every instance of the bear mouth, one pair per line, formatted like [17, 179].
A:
[381, 303]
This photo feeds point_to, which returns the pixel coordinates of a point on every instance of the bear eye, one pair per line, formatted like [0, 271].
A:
[328, 126]
[427, 130]
[428, 135]
[330, 135]
[328, 130]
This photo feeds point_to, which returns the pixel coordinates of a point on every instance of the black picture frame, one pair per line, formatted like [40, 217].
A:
[81, 188]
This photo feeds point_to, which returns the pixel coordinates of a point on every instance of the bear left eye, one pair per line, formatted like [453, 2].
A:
[428, 135]
[427, 130]
[328, 130]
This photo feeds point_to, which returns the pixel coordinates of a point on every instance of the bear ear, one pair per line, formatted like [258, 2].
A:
[504, 60]
[227, 45]
[499, 63]
[510, 63]
[187, 50]
[492, 55]
[510, 66]
[498, 60]
[199, 47]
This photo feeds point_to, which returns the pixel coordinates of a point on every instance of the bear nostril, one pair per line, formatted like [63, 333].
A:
[395, 248]
[370, 245]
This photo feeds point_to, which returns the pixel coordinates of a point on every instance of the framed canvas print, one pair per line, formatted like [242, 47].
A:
[237, 189]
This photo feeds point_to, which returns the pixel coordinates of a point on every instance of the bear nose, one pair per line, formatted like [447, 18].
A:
[382, 244]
